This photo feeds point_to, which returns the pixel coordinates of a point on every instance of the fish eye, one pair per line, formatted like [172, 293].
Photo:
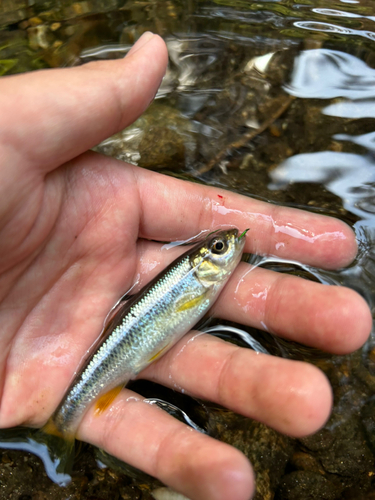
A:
[218, 246]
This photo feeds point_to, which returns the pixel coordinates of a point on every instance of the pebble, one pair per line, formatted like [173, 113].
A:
[167, 494]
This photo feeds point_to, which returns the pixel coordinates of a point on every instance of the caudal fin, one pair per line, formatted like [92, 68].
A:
[55, 451]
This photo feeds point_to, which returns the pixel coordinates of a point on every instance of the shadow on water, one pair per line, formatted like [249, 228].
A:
[274, 100]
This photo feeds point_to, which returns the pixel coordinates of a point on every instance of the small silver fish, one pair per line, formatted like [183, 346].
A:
[147, 326]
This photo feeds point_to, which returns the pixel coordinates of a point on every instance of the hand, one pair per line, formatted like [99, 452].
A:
[73, 237]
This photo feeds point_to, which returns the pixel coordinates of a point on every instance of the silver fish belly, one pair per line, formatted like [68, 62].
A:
[147, 326]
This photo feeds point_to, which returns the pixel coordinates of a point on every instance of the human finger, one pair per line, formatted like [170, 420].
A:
[335, 319]
[293, 397]
[64, 112]
[148, 438]
[185, 209]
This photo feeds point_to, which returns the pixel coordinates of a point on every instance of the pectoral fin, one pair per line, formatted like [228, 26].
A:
[189, 302]
[106, 399]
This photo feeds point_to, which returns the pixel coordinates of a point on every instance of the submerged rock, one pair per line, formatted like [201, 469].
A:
[167, 494]
[267, 450]
[368, 422]
[307, 485]
[162, 138]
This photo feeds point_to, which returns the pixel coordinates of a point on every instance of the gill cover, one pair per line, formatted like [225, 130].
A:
[215, 261]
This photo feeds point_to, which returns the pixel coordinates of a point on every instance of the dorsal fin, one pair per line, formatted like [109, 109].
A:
[115, 311]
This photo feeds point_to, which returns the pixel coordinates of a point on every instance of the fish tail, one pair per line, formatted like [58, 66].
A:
[56, 450]
[61, 452]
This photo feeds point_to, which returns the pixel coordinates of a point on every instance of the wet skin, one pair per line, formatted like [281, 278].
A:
[73, 231]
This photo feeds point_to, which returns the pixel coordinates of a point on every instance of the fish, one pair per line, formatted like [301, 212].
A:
[137, 333]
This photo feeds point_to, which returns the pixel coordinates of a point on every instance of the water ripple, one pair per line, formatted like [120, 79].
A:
[335, 13]
[333, 28]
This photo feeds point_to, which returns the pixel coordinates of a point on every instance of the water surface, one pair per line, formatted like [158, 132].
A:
[271, 99]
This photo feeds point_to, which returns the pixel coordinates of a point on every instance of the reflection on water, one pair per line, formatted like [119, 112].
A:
[327, 74]
[272, 99]
[330, 74]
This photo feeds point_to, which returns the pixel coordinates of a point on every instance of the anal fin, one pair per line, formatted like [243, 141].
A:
[158, 354]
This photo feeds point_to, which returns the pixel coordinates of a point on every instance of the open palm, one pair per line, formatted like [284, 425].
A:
[73, 238]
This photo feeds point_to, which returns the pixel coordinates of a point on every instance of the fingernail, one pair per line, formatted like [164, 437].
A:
[140, 42]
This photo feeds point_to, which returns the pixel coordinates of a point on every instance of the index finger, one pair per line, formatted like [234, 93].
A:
[184, 209]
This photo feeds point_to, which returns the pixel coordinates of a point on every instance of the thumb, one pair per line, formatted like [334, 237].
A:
[49, 117]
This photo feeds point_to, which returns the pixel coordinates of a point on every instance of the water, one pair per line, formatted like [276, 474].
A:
[271, 99]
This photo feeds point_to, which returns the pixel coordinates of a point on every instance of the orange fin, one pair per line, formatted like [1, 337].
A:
[106, 399]
[187, 303]
[158, 354]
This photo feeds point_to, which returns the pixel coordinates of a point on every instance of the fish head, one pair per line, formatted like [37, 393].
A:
[218, 256]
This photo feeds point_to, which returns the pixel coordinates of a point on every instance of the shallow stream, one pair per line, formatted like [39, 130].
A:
[271, 99]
